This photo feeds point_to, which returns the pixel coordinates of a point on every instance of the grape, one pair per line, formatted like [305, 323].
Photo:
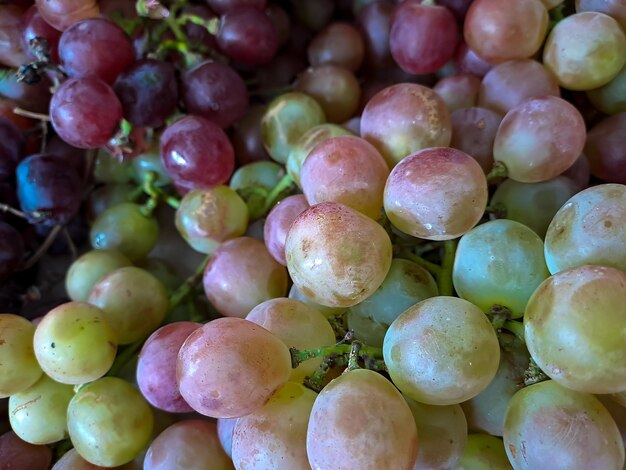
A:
[246, 137]
[483, 451]
[533, 204]
[500, 30]
[74, 343]
[605, 151]
[107, 196]
[499, 263]
[423, 37]
[452, 182]
[138, 87]
[254, 175]
[374, 21]
[215, 92]
[405, 285]
[48, 190]
[60, 14]
[404, 118]
[44, 402]
[550, 423]
[225, 430]
[295, 293]
[610, 98]
[510, 83]
[338, 44]
[287, 118]
[485, 412]
[156, 366]
[17, 454]
[441, 351]
[539, 139]
[348, 170]
[617, 412]
[18, 365]
[109, 422]
[279, 222]
[275, 435]
[150, 161]
[306, 143]
[72, 460]
[110, 169]
[11, 250]
[124, 228]
[197, 153]
[242, 274]
[230, 367]
[208, 217]
[458, 91]
[247, 36]
[224, 6]
[11, 52]
[467, 61]
[191, 444]
[85, 112]
[298, 325]
[339, 437]
[337, 256]
[33, 25]
[585, 50]
[96, 47]
[589, 229]
[11, 142]
[474, 131]
[89, 269]
[442, 432]
[583, 303]
[136, 313]
[613, 8]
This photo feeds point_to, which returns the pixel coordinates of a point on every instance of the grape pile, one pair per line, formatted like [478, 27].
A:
[312, 234]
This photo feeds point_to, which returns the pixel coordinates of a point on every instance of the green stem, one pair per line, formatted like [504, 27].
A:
[276, 194]
[498, 171]
[124, 358]
[180, 294]
[299, 356]
[316, 381]
[353, 357]
[444, 280]
[156, 194]
[433, 268]
[515, 327]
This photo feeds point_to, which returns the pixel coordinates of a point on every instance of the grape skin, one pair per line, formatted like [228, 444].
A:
[18, 365]
[87, 270]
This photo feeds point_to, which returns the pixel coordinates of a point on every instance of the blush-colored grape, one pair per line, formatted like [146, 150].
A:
[278, 223]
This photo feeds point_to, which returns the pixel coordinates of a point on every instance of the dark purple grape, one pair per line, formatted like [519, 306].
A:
[224, 6]
[33, 25]
[33, 97]
[19, 454]
[85, 112]
[248, 36]
[72, 155]
[246, 137]
[11, 250]
[49, 190]
[148, 92]
[280, 19]
[197, 153]
[95, 46]
[11, 142]
[216, 92]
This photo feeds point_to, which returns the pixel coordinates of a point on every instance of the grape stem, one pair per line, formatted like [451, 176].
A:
[316, 381]
[431, 267]
[10, 210]
[353, 356]
[515, 327]
[43, 248]
[183, 291]
[498, 171]
[156, 194]
[299, 356]
[278, 192]
[30, 114]
[444, 280]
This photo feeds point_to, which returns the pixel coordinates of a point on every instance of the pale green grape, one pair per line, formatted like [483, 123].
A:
[611, 98]
[548, 426]
[405, 285]
[18, 366]
[89, 269]
[442, 433]
[74, 343]
[575, 326]
[72, 460]
[275, 435]
[499, 263]
[533, 204]
[361, 421]
[263, 174]
[298, 325]
[483, 452]
[441, 351]
[38, 414]
[109, 422]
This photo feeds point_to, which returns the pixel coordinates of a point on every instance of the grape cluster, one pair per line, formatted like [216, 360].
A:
[312, 234]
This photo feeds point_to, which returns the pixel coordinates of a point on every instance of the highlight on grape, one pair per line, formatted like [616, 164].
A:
[312, 234]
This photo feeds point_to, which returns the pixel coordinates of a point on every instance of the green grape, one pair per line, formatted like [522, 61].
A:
[574, 328]
[550, 426]
[589, 229]
[72, 460]
[263, 174]
[89, 269]
[124, 228]
[441, 351]
[208, 217]
[147, 162]
[18, 365]
[109, 422]
[499, 263]
[74, 343]
[109, 169]
[611, 98]
[533, 204]
[405, 285]
[107, 196]
[483, 452]
[275, 435]
[442, 432]
[298, 325]
[307, 142]
[38, 414]
[295, 293]
[162, 270]
[134, 303]
[360, 421]
[288, 117]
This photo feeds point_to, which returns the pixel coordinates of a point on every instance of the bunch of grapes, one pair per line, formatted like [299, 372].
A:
[312, 234]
